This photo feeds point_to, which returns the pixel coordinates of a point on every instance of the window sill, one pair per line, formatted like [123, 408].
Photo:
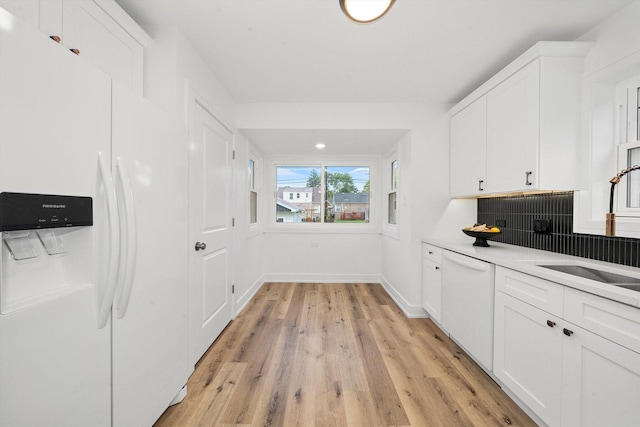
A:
[321, 228]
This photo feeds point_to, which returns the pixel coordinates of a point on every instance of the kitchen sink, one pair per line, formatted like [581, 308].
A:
[620, 280]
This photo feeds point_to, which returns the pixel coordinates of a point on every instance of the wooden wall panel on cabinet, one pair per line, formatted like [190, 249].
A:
[469, 150]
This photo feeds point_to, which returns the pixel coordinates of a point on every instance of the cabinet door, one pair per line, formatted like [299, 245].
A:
[469, 150]
[26, 10]
[431, 288]
[103, 42]
[46, 15]
[528, 355]
[50, 22]
[600, 380]
[513, 131]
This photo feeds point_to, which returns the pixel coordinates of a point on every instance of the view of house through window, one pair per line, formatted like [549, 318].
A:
[338, 194]
[393, 204]
[253, 194]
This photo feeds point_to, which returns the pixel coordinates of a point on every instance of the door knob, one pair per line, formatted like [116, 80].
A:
[200, 246]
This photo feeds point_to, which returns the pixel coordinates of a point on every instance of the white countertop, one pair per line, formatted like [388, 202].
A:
[525, 260]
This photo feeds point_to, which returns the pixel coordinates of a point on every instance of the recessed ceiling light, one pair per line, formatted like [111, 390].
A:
[365, 11]
[320, 146]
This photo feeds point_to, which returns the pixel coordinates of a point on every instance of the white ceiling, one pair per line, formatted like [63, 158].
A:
[306, 51]
[337, 141]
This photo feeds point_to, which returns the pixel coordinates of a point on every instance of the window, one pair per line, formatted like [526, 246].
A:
[331, 194]
[628, 93]
[253, 194]
[392, 197]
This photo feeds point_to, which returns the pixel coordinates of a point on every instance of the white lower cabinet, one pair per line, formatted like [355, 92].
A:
[432, 289]
[600, 381]
[432, 281]
[566, 374]
[528, 355]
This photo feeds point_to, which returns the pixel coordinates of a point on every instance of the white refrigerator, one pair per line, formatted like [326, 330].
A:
[93, 319]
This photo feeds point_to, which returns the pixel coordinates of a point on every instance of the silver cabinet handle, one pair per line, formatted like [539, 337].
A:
[200, 246]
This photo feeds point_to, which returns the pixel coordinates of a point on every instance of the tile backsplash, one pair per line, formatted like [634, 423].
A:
[516, 215]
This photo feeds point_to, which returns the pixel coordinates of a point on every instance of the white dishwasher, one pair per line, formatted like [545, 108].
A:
[467, 304]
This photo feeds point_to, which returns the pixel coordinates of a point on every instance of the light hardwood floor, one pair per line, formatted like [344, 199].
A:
[337, 355]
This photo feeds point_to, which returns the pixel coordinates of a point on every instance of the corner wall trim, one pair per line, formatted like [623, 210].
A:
[321, 278]
[243, 300]
[411, 311]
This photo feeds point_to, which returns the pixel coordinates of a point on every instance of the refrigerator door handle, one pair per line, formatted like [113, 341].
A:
[106, 300]
[131, 239]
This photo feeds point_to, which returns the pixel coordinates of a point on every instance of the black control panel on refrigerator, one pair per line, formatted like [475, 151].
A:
[23, 211]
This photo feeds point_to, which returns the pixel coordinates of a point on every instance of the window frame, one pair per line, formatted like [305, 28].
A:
[628, 138]
[393, 189]
[253, 193]
[256, 228]
[371, 162]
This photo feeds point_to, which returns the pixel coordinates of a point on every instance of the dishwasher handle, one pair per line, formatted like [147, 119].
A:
[471, 263]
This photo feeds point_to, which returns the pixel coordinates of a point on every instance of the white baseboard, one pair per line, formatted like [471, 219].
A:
[244, 299]
[411, 311]
[321, 278]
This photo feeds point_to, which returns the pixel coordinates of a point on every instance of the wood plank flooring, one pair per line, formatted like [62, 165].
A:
[337, 355]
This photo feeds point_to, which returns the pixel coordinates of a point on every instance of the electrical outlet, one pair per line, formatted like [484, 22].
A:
[542, 226]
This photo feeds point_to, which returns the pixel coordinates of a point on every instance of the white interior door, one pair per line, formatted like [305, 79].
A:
[210, 171]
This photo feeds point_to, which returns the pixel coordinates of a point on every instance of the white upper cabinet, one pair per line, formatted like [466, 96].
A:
[99, 30]
[531, 127]
[469, 150]
[513, 132]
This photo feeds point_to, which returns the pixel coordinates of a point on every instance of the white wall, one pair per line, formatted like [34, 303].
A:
[321, 257]
[172, 67]
[173, 72]
[248, 239]
[615, 39]
[615, 56]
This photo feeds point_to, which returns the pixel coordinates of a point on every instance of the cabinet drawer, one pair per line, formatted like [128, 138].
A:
[545, 295]
[432, 253]
[612, 320]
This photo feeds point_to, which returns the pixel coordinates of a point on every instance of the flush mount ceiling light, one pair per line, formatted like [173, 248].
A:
[365, 11]
[320, 146]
